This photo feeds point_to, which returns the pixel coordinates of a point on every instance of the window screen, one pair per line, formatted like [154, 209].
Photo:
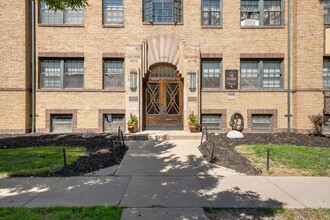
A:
[50, 72]
[261, 123]
[112, 126]
[211, 74]
[61, 123]
[326, 73]
[113, 12]
[249, 74]
[211, 12]
[212, 122]
[272, 12]
[74, 74]
[326, 11]
[272, 74]
[113, 74]
[68, 16]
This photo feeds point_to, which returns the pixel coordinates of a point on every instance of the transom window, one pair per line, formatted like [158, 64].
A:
[163, 72]
[326, 11]
[162, 11]
[113, 74]
[261, 123]
[261, 12]
[211, 12]
[261, 74]
[61, 73]
[68, 16]
[326, 73]
[113, 12]
[211, 74]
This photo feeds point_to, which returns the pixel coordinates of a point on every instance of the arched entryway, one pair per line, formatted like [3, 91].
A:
[163, 98]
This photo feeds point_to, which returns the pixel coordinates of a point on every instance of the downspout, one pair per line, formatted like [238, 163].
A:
[289, 66]
[33, 66]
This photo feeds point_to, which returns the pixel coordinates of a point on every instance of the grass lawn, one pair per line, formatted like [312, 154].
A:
[288, 159]
[36, 160]
[58, 213]
[268, 213]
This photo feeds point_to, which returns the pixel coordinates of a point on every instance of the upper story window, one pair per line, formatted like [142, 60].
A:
[261, 12]
[68, 16]
[326, 73]
[113, 74]
[211, 74]
[326, 11]
[261, 74]
[113, 12]
[61, 73]
[211, 12]
[162, 11]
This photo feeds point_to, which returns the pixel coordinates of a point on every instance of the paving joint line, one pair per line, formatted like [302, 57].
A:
[42, 192]
[130, 179]
[285, 192]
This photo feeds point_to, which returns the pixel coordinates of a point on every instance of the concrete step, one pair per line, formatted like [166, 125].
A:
[162, 136]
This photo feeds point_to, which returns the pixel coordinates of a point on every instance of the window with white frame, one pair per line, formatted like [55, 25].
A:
[261, 74]
[113, 77]
[61, 123]
[111, 122]
[61, 73]
[212, 122]
[326, 11]
[113, 12]
[261, 12]
[67, 16]
[211, 73]
[211, 12]
[261, 123]
[326, 73]
[162, 11]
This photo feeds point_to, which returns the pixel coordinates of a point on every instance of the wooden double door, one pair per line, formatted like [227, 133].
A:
[163, 105]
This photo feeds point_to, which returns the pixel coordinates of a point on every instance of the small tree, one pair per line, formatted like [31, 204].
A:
[59, 4]
[318, 122]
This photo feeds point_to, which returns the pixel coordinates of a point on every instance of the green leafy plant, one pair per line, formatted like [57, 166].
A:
[193, 120]
[318, 122]
[132, 120]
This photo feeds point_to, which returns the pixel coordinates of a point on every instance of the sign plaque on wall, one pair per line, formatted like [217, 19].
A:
[231, 80]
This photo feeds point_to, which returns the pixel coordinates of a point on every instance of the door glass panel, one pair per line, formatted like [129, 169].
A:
[153, 101]
[172, 98]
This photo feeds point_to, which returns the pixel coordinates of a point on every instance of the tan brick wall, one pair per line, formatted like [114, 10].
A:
[15, 39]
[231, 40]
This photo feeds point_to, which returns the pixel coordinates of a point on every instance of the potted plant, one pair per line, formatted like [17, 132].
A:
[193, 123]
[132, 123]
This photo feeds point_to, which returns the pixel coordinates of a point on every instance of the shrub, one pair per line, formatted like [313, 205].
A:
[318, 122]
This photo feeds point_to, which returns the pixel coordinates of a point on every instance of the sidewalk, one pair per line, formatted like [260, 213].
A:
[164, 179]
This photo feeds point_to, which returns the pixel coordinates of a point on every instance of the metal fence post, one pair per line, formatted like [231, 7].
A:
[268, 156]
[122, 137]
[64, 156]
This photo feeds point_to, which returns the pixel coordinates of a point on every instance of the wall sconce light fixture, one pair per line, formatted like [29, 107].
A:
[133, 84]
[192, 81]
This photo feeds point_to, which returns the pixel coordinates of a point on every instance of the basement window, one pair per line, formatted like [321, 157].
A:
[261, 123]
[326, 128]
[61, 123]
[111, 122]
[212, 122]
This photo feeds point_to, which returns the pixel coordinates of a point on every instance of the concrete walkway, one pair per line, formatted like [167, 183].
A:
[166, 180]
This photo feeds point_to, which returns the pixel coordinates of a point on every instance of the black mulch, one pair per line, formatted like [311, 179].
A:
[226, 155]
[100, 153]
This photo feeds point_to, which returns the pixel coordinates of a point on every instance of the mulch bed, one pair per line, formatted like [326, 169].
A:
[100, 153]
[226, 155]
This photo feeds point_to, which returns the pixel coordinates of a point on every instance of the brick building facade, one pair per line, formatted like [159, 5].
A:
[162, 60]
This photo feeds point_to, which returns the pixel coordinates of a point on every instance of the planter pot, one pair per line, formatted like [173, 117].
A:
[194, 128]
[132, 128]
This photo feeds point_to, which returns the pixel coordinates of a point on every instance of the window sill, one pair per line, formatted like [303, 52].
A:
[211, 27]
[262, 27]
[243, 90]
[113, 25]
[163, 23]
[62, 25]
